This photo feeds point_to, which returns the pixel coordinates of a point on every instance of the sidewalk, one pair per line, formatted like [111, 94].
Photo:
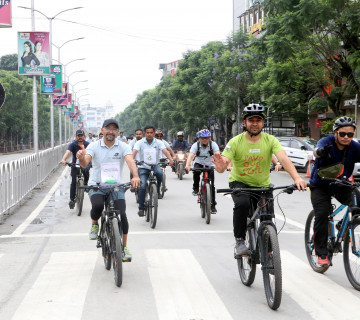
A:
[7, 157]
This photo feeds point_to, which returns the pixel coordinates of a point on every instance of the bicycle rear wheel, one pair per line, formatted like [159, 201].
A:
[310, 246]
[207, 203]
[79, 196]
[163, 185]
[272, 267]
[352, 260]
[117, 249]
[247, 264]
[105, 245]
[153, 205]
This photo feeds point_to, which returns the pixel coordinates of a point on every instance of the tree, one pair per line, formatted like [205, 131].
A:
[9, 62]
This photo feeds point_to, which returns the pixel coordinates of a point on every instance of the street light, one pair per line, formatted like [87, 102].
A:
[59, 47]
[74, 72]
[50, 19]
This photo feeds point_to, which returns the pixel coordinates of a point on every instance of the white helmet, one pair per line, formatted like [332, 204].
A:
[180, 133]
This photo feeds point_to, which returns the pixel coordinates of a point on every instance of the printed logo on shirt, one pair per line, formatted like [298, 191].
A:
[254, 150]
[227, 147]
[116, 156]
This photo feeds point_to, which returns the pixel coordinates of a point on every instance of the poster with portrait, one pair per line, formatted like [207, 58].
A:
[33, 53]
[5, 13]
[63, 99]
[52, 84]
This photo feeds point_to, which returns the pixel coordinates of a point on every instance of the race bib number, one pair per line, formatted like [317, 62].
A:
[110, 173]
[150, 156]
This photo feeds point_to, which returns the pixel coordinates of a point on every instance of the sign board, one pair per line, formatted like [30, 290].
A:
[52, 84]
[349, 103]
[5, 13]
[2, 95]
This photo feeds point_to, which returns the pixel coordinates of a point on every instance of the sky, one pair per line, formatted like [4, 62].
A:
[125, 40]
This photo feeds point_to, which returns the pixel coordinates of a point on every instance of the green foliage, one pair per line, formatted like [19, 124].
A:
[9, 62]
[327, 126]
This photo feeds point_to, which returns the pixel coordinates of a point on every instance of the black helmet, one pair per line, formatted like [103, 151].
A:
[344, 122]
[253, 110]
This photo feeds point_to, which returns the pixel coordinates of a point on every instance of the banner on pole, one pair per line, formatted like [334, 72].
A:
[52, 84]
[5, 14]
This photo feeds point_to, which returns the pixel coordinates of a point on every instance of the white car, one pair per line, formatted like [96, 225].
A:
[356, 172]
[299, 150]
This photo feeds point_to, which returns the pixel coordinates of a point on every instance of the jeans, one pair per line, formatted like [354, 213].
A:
[74, 172]
[144, 174]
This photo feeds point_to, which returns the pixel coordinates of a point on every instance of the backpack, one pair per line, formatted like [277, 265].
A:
[198, 149]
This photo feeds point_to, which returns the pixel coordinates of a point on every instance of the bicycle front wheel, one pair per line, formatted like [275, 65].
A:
[352, 260]
[310, 246]
[153, 205]
[117, 249]
[202, 201]
[105, 244]
[272, 267]
[207, 203]
[163, 185]
[247, 264]
[181, 171]
[79, 196]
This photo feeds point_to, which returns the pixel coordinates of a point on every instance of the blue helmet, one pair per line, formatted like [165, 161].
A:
[205, 133]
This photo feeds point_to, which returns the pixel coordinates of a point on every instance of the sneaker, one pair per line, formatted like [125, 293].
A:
[126, 255]
[93, 234]
[323, 261]
[160, 196]
[240, 248]
[72, 204]
[195, 193]
[213, 210]
[141, 213]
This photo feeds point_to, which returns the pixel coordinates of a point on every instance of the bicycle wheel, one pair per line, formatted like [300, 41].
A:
[202, 201]
[310, 246]
[105, 245]
[272, 267]
[136, 195]
[247, 264]
[163, 185]
[117, 249]
[147, 204]
[181, 171]
[352, 260]
[153, 205]
[207, 203]
[79, 196]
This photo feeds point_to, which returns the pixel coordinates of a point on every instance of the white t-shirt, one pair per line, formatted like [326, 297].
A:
[149, 152]
[204, 157]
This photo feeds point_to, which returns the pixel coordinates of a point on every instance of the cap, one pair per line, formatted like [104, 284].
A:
[110, 121]
[79, 132]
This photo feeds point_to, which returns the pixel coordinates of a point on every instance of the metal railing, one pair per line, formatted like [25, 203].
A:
[19, 177]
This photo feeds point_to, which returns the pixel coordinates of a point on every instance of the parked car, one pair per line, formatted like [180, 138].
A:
[299, 150]
[356, 172]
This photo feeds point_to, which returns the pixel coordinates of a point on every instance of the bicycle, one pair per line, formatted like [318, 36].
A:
[163, 164]
[110, 238]
[79, 195]
[204, 195]
[349, 234]
[151, 196]
[262, 241]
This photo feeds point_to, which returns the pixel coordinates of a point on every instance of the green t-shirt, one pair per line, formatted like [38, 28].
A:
[251, 162]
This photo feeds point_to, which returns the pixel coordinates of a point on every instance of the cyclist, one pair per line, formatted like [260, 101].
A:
[90, 138]
[180, 143]
[138, 136]
[100, 135]
[335, 157]
[148, 148]
[111, 153]
[122, 138]
[203, 150]
[74, 147]
[160, 135]
[251, 154]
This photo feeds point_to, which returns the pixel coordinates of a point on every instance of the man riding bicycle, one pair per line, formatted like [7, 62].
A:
[335, 158]
[251, 156]
[203, 150]
[108, 154]
[74, 147]
[148, 148]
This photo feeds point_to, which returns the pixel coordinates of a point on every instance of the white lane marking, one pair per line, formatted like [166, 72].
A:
[316, 293]
[19, 230]
[60, 290]
[181, 288]
[292, 222]
[53, 235]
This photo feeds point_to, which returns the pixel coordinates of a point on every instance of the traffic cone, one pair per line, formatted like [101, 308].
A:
[308, 173]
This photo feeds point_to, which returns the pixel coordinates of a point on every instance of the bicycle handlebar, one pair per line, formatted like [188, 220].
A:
[288, 189]
[208, 169]
[98, 187]
[334, 181]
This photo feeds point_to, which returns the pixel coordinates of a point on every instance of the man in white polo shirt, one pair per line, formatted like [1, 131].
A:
[111, 152]
[148, 149]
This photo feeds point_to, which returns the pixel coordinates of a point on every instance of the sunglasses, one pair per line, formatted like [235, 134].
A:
[343, 134]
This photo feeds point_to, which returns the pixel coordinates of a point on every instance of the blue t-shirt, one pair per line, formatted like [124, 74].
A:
[74, 147]
[337, 156]
[180, 145]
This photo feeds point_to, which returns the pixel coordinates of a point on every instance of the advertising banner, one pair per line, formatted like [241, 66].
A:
[52, 84]
[69, 101]
[33, 53]
[5, 13]
[63, 99]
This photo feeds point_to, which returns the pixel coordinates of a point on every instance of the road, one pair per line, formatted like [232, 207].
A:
[184, 269]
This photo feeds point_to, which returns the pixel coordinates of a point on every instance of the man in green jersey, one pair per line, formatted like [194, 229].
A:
[251, 153]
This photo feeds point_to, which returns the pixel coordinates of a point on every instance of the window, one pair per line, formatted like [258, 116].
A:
[285, 142]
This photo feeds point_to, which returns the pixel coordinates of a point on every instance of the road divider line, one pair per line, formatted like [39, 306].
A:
[181, 288]
[59, 291]
[318, 294]
[19, 230]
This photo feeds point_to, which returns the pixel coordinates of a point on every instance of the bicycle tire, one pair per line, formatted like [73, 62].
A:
[202, 201]
[352, 261]
[163, 185]
[117, 249]
[153, 205]
[105, 248]
[181, 171]
[147, 204]
[309, 244]
[272, 274]
[207, 204]
[136, 196]
[247, 264]
[79, 196]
